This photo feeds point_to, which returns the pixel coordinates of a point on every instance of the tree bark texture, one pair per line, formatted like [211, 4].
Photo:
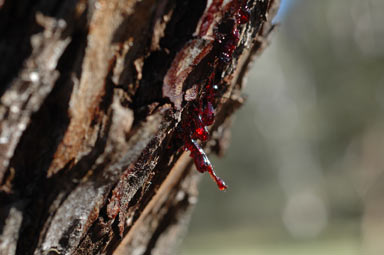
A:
[91, 95]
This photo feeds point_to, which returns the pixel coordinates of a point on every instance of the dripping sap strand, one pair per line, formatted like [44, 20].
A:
[202, 114]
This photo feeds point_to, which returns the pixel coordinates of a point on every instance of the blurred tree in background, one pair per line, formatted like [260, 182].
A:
[306, 166]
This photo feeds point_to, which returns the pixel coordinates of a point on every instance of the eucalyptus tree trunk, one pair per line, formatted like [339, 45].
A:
[93, 94]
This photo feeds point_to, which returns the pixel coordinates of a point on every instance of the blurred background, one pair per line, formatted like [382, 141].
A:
[306, 164]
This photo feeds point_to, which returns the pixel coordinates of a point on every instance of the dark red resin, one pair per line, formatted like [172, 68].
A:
[207, 113]
[202, 162]
[202, 112]
[229, 44]
[243, 16]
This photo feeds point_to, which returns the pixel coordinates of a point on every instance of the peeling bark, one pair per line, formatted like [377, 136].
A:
[91, 94]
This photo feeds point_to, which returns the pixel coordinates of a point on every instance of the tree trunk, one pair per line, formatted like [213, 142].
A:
[97, 101]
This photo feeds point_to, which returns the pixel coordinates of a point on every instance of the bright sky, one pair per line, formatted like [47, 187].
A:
[285, 6]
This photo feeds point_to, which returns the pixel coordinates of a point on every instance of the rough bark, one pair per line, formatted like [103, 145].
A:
[91, 94]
